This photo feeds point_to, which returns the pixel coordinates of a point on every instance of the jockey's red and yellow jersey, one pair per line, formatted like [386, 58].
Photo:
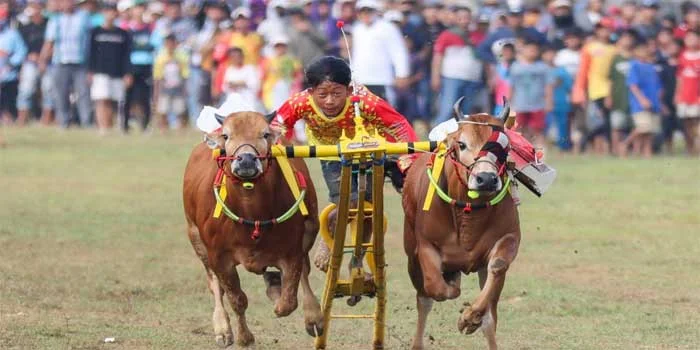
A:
[322, 130]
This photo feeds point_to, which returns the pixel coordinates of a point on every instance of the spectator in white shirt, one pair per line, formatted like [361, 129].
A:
[379, 52]
[241, 78]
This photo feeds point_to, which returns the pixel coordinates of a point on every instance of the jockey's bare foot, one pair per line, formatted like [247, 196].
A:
[322, 257]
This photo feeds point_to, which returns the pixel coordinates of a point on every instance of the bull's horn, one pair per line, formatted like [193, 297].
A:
[457, 110]
[505, 112]
[220, 118]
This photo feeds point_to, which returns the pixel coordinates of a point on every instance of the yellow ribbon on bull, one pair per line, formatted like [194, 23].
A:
[289, 177]
[438, 164]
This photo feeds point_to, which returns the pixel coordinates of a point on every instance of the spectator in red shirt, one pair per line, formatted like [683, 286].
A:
[691, 19]
[456, 70]
[688, 90]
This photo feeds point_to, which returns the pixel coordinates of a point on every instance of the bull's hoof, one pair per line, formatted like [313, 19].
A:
[245, 339]
[284, 309]
[470, 320]
[315, 329]
[224, 340]
[273, 281]
[322, 256]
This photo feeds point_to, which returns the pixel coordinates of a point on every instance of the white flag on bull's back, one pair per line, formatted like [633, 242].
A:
[234, 103]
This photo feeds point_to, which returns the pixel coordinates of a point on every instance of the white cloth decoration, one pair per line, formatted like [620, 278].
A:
[440, 132]
[234, 103]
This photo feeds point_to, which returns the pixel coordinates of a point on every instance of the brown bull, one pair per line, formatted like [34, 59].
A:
[222, 244]
[450, 238]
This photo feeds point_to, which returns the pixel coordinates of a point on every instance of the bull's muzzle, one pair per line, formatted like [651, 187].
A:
[246, 166]
[486, 182]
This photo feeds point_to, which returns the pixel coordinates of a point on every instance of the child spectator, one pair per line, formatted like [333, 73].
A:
[170, 71]
[667, 66]
[593, 84]
[240, 78]
[618, 100]
[529, 78]
[688, 90]
[12, 54]
[31, 81]
[109, 67]
[282, 75]
[560, 83]
[645, 100]
[501, 83]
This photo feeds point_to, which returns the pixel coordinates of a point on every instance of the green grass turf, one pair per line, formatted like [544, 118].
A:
[93, 245]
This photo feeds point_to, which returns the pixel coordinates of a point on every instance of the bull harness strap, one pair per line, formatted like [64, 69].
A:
[436, 169]
[296, 182]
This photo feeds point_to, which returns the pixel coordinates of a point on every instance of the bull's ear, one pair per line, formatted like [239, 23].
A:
[214, 140]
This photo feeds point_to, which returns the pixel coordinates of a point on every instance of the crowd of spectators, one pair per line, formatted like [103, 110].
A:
[609, 77]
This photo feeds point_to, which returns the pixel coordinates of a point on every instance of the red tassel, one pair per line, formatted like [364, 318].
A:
[468, 208]
[256, 231]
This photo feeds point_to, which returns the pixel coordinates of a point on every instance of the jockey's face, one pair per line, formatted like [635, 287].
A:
[330, 97]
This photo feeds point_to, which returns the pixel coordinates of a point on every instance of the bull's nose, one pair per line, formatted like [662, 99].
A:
[486, 181]
[246, 166]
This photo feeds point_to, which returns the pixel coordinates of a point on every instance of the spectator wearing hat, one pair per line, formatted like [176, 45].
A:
[109, 67]
[647, 22]
[380, 56]
[201, 58]
[688, 91]
[250, 42]
[282, 75]
[562, 22]
[305, 41]
[31, 82]
[456, 70]
[66, 46]
[592, 85]
[514, 28]
[170, 71]
[138, 95]
[173, 22]
[12, 54]
[274, 24]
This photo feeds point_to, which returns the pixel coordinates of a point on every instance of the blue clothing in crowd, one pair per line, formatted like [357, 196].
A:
[645, 77]
[563, 83]
[12, 45]
[529, 81]
[70, 34]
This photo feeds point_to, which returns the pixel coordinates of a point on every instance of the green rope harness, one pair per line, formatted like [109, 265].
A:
[467, 206]
[260, 223]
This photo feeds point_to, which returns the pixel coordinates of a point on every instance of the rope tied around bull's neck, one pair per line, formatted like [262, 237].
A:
[258, 224]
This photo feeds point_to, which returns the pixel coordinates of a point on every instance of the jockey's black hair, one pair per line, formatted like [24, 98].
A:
[328, 68]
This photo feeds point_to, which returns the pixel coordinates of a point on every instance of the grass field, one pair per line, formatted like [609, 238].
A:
[93, 245]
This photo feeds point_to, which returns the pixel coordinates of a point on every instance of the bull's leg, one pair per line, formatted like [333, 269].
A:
[239, 301]
[220, 319]
[291, 273]
[434, 283]
[424, 305]
[480, 312]
[313, 317]
[488, 325]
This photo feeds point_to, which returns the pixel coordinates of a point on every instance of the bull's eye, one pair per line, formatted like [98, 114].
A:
[225, 137]
[462, 145]
[266, 135]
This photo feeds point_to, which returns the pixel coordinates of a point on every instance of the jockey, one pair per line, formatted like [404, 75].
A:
[327, 110]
